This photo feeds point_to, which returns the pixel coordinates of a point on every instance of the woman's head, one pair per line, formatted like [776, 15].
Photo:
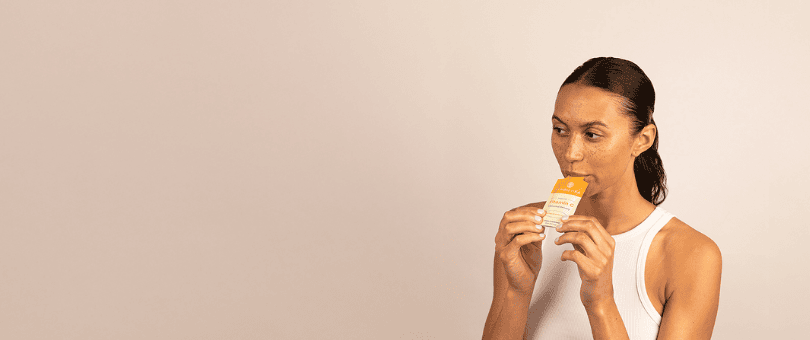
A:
[603, 126]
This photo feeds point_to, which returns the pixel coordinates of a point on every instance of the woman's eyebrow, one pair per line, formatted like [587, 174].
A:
[593, 123]
[584, 126]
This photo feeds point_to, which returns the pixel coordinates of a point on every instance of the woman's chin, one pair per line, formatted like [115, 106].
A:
[590, 193]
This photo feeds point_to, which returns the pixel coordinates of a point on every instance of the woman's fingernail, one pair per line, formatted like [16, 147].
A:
[565, 218]
[557, 240]
[538, 218]
[542, 235]
[540, 211]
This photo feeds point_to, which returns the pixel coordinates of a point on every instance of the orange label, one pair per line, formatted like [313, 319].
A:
[563, 200]
[570, 185]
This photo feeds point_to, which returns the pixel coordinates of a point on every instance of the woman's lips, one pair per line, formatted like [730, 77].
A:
[573, 174]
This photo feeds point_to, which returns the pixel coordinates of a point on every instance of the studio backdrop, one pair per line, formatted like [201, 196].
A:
[337, 170]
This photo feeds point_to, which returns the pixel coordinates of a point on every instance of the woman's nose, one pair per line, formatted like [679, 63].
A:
[573, 151]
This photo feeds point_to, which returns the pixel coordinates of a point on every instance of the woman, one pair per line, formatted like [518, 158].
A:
[622, 268]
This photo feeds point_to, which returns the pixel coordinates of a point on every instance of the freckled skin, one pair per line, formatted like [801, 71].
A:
[604, 153]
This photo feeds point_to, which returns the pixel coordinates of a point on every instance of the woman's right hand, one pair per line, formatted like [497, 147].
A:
[518, 245]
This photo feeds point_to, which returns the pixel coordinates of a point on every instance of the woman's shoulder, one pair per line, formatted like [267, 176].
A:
[688, 253]
[681, 240]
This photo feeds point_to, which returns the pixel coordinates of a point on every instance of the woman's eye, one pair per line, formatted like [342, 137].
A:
[557, 129]
[592, 135]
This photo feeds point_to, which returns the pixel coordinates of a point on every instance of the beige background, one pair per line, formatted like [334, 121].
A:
[338, 169]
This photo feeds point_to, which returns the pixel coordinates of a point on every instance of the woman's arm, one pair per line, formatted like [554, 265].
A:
[691, 304]
[511, 321]
[506, 308]
[500, 285]
[606, 322]
[510, 304]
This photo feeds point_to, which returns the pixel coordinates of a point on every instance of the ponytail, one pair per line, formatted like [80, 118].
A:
[651, 178]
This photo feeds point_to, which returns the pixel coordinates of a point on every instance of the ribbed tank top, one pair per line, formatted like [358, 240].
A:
[556, 311]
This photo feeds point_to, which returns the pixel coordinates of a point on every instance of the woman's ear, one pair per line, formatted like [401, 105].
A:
[644, 139]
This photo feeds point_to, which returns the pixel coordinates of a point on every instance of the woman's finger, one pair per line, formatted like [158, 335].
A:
[522, 214]
[515, 228]
[524, 239]
[517, 221]
[584, 263]
[588, 225]
[582, 240]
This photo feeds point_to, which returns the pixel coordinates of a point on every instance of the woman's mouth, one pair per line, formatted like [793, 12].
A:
[585, 177]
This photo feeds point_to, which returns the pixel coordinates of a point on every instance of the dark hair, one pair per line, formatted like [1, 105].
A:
[626, 79]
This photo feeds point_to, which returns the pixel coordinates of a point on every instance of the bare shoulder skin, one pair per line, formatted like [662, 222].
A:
[683, 281]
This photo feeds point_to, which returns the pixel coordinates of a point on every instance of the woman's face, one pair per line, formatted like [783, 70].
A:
[591, 137]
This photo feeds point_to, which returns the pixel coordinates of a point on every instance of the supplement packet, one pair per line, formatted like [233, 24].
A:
[563, 200]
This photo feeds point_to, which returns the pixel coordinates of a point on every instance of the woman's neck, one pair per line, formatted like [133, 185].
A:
[615, 209]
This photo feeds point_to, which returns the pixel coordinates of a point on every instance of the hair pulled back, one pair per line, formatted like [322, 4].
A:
[626, 79]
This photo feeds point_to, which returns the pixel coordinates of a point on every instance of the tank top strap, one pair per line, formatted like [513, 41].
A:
[663, 218]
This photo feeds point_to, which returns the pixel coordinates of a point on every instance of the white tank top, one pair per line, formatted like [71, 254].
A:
[556, 311]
